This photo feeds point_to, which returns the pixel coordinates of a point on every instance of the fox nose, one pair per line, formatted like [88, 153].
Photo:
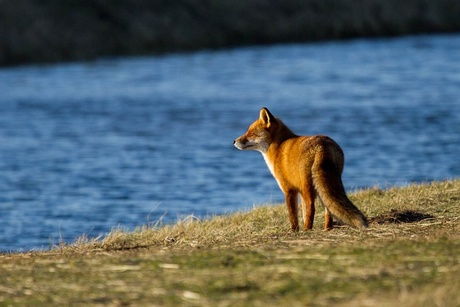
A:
[234, 142]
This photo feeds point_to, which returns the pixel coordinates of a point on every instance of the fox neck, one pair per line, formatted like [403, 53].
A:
[281, 134]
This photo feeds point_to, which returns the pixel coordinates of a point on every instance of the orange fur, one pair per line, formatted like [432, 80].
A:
[307, 165]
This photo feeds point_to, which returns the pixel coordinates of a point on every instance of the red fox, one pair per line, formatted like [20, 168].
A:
[307, 165]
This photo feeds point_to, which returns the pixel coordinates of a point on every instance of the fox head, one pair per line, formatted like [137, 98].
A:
[259, 134]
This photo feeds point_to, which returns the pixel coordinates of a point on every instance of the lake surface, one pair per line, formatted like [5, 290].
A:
[122, 142]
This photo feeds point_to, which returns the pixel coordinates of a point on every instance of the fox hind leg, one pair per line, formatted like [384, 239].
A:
[328, 221]
[308, 207]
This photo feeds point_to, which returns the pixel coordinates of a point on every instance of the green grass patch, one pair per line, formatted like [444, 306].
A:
[410, 256]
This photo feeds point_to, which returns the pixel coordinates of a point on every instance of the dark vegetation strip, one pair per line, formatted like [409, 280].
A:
[56, 30]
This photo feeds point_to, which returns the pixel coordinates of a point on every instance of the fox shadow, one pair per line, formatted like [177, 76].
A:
[399, 216]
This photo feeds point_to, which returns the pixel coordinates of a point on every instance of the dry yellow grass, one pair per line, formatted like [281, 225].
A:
[414, 211]
[410, 256]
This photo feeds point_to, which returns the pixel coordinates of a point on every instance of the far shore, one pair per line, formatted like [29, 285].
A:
[55, 31]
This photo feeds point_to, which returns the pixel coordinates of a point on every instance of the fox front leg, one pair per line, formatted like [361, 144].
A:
[291, 203]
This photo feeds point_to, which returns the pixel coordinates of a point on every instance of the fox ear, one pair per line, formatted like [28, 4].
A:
[266, 117]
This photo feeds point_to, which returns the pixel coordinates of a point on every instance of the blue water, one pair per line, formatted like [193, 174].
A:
[122, 142]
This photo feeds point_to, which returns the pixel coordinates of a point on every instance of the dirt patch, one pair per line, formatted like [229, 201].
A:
[396, 217]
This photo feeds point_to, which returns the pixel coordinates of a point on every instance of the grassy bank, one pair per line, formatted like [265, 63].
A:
[55, 30]
[410, 256]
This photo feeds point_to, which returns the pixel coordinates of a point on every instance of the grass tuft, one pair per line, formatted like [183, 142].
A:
[426, 204]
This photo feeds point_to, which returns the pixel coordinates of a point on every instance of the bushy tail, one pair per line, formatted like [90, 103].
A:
[328, 183]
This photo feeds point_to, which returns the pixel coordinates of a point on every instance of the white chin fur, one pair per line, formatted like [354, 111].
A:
[261, 147]
[240, 146]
